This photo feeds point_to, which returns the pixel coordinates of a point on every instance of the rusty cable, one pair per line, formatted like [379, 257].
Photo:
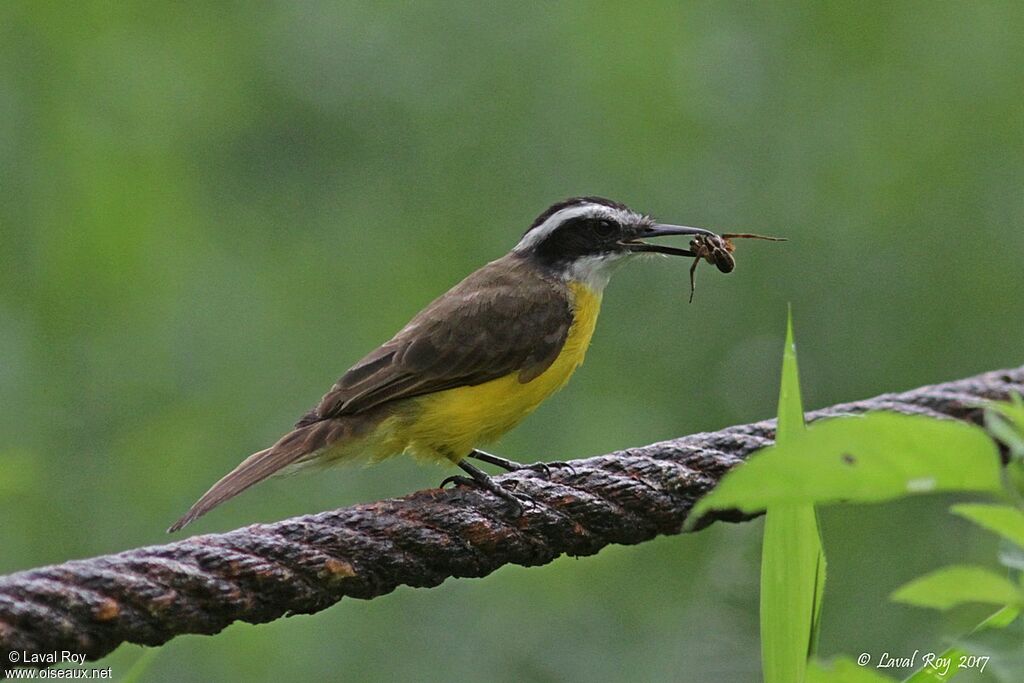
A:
[305, 564]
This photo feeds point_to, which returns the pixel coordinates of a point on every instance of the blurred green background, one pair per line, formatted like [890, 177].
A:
[209, 210]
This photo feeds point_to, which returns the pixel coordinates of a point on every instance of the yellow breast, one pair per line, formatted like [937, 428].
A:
[451, 423]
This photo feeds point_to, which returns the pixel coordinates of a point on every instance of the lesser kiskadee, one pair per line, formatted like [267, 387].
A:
[476, 361]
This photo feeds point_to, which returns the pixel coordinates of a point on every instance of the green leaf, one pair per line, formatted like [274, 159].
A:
[819, 589]
[959, 584]
[792, 581]
[843, 670]
[1005, 421]
[937, 671]
[866, 458]
[1014, 472]
[792, 561]
[1004, 520]
[791, 407]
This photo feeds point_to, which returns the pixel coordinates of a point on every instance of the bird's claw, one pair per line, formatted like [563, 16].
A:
[514, 501]
[541, 467]
[545, 467]
[456, 479]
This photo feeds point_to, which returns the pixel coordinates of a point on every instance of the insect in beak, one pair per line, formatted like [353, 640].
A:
[706, 246]
[718, 250]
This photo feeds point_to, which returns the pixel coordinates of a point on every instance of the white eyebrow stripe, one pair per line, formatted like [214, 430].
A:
[556, 219]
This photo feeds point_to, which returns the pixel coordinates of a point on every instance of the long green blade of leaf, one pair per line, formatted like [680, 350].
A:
[792, 562]
[791, 404]
[792, 580]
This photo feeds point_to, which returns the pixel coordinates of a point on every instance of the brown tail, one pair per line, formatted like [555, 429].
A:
[254, 469]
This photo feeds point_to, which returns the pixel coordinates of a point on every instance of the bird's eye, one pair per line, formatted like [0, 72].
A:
[604, 228]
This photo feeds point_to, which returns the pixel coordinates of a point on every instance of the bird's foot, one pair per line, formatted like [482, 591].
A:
[496, 460]
[513, 466]
[478, 478]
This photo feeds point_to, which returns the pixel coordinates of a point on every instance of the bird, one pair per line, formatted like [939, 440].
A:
[476, 361]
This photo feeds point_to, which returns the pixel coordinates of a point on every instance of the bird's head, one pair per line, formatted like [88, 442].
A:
[583, 238]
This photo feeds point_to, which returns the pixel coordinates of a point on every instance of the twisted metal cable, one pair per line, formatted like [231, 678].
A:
[305, 564]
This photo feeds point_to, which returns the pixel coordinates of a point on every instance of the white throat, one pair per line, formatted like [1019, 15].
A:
[595, 271]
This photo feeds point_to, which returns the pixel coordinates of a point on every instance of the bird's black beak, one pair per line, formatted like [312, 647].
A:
[663, 230]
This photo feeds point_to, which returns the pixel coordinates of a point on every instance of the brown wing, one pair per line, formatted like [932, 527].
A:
[505, 318]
